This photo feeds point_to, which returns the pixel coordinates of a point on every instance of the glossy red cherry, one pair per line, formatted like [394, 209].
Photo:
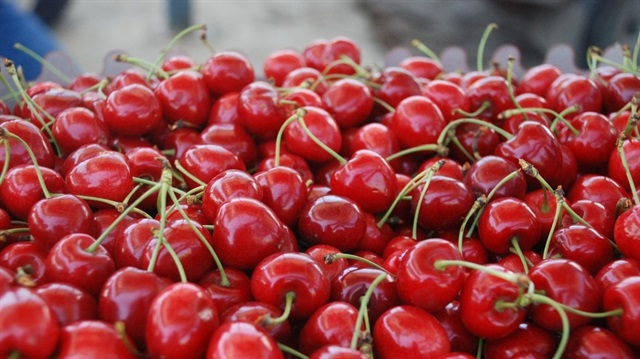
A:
[132, 110]
[331, 324]
[227, 71]
[284, 274]
[69, 304]
[324, 55]
[583, 245]
[591, 138]
[322, 125]
[349, 101]
[21, 189]
[401, 330]
[205, 161]
[284, 191]
[236, 289]
[624, 295]
[242, 339]
[224, 109]
[246, 231]
[616, 171]
[518, 343]
[394, 84]
[34, 138]
[423, 67]
[29, 326]
[537, 79]
[92, 338]
[598, 188]
[307, 77]
[333, 220]
[616, 271]
[492, 90]
[417, 121]
[626, 233]
[462, 341]
[279, 63]
[26, 259]
[571, 89]
[620, 90]
[258, 109]
[445, 204]
[449, 97]
[226, 185]
[505, 220]
[234, 138]
[484, 174]
[180, 322]
[595, 342]
[418, 278]
[77, 126]
[184, 97]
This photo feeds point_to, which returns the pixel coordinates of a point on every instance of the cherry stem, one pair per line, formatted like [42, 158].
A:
[298, 114]
[450, 128]
[23, 277]
[515, 246]
[382, 103]
[122, 333]
[321, 144]
[6, 136]
[633, 116]
[489, 197]
[15, 354]
[425, 50]
[479, 203]
[510, 63]
[267, 321]
[289, 350]
[141, 63]
[421, 148]
[362, 312]
[163, 187]
[625, 165]
[635, 55]
[346, 60]
[431, 171]
[188, 174]
[482, 45]
[43, 62]
[8, 86]
[330, 258]
[164, 52]
[564, 337]
[559, 197]
[518, 279]
[224, 280]
[485, 105]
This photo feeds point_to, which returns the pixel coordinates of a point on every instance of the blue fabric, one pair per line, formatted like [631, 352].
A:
[19, 26]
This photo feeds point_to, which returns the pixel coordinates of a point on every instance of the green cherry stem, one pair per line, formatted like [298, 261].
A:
[450, 129]
[518, 279]
[422, 148]
[289, 350]
[425, 50]
[5, 136]
[141, 63]
[482, 45]
[298, 114]
[559, 196]
[164, 52]
[362, 312]
[188, 174]
[564, 337]
[322, 145]
[7, 85]
[384, 105]
[625, 165]
[43, 62]
[330, 258]
[485, 105]
[431, 171]
[267, 321]
[479, 203]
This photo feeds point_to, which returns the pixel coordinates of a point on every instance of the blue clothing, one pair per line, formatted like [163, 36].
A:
[20, 26]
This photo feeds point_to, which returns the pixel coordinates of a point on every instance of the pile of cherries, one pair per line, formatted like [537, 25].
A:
[321, 209]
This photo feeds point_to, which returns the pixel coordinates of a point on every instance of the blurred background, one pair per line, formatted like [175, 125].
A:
[89, 29]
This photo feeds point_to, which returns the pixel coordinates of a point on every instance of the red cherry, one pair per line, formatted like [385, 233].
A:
[617, 172]
[29, 326]
[620, 90]
[582, 244]
[133, 110]
[480, 300]
[246, 231]
[279, 63]
[50, 219]
[616, 271]
[322, 125]
[567, 283]
[226, 185]
[475, 140]
[597, 188]
[77, 126]
[484, 174]
[394, 84]
[593, 142]
[284, 274]
[417, 121]
[626, 233]
[69, 303]
[17, 153]
[492, 90]
[570, 89]
[461, 339]
[418, 278]
[26, 259]
[284, 191]
[537, 79]
[205, 161]
[519, 343]
[449, 97]
[593, 213]
[226, 72]
[127, 77]
[174, 63]
[234, 138]
[333, 220]
[307, 77]
[423, 67]
[595, 342]
[331, 324]
[70, 261]
[445, 204]
[226, 295]
[224, 109]
[180, 322]
[255, 313]
[349, 101]
[184, 97]
[241, 339]
[624, 295]
[505, 220]
[323, 55]
[20, 188]
[401, 330]
[91, 339]
[258, 109]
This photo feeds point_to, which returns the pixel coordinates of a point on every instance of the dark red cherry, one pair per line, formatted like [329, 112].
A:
[184, 98]
[227, 71]
[133, 110]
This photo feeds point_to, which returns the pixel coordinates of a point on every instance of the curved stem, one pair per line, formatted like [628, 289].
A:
[516, 247]
[408, 151]
[321, 144]
[362, 312]
[427, 181]
[66, 79]
[625, 165]
[6, 135]
[289, 350]
[477, 204]
[559, 197]
[288, 303]
[564, 338]
[163, 53]
[482, 45]
[425, 50]
[188, 174]
[453, 124]
[330, 258]
[515, 278]
[298, 114]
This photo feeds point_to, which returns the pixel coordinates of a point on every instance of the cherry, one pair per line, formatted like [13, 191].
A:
[227, 71]
[76, 260]
[78, 126]
[174, 63]
[224, 109]
[538, 79]
[615, 169]
[69, 303]
[105, 176]
[376, 137]
[507, 220]
[626, 234]
[620, 90]
[331, 324]
[246, 231]
[449, 97]
[325, 55]
[292, 100]
[492, 91]
[444, 205]
[126, 297]
[129, 76]
[50, 219]
[184, 98]
[205, 161]
[597, 188]
[180, 322]
[349, 101]
[333, 220]
[29, 326]
[290, 160]
[394, 84]
[567, 283]
[226, 185]
[284, 191]
[258, 109]
[350, 284]
[21, 189]
[624, 295]
[475, 141]
[569, 89]
[423, 67]
[616, 271]
[483, 176]
[336, 351]
[130, 244]
[179, 140]
[278, 64]
[242, 339]
[307, 77]
[132, 110]
[592, 342]
[81, 154]
[294, 282]
[517, 264]
[582, 244]
[16, 152]
[92, 338]
[51, 103]
[27, 259]
[519, 343]
[419, 276]
[591, 137]
[234, 138]
[228, 290]
[595, 214]
[417, 121]
[488, 304]
[321, 125]
[401, 330]
[375, 237]
[460, 338]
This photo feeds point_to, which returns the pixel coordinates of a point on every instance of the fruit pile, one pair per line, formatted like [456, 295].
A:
[326, 210]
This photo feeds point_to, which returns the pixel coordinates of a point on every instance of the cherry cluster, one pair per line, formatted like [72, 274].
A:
[323, 210]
